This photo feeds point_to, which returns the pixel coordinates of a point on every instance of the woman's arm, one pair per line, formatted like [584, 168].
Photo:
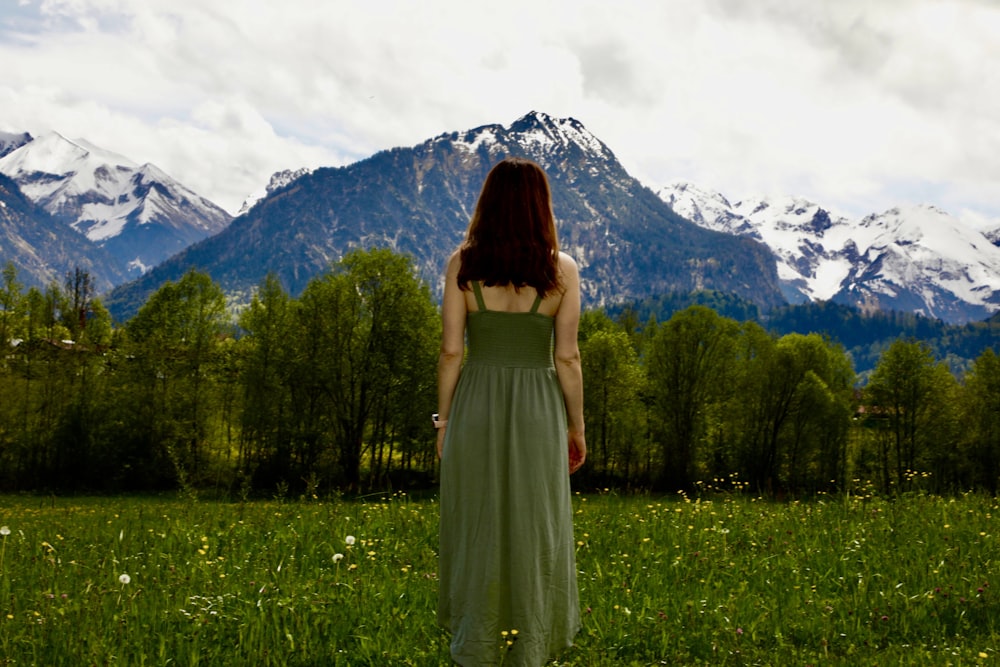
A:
[453, 312]
[567, 359]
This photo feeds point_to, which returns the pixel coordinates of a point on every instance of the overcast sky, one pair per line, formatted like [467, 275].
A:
[859, 105]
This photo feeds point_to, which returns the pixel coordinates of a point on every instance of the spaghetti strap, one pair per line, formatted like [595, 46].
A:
[538, 302]
[479, 295]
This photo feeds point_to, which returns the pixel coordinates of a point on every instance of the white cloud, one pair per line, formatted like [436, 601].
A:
[857, 105]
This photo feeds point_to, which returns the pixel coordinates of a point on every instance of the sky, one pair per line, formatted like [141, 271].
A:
[857, 105]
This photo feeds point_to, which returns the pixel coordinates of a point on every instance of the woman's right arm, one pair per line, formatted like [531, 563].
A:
[453, 312]
[567, 359]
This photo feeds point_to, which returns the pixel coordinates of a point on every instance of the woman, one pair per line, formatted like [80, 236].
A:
[510, 428]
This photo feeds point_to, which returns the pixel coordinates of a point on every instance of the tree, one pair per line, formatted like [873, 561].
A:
[173, 342]
[612, 405]
[900, 392]
[690, 366]
[982, 414]
[793, 408]
[79, 294]
[11, 306]
[266, 353]
[368, 335]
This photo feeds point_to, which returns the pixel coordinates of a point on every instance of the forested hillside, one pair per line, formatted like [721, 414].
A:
[332, 390]
[864, 335]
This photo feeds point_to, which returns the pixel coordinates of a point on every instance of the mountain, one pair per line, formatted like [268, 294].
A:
[43, 249]
[917, 259]
[418, 200]
[11, 141]
[139, 214]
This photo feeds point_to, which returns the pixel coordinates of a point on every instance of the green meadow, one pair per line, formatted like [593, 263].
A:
[723, 579]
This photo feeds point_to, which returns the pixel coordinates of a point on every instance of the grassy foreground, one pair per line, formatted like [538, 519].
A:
[731, 580]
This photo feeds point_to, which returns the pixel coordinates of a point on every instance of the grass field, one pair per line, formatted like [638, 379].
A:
[722, 580]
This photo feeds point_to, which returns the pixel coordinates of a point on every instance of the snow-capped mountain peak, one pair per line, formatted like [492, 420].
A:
[915, 258]
[549, 139]
[139, 213]
[52, 153]
[550, 134]
[53, 171]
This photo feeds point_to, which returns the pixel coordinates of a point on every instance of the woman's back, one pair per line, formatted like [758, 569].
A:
[508, 300]
[521, 338]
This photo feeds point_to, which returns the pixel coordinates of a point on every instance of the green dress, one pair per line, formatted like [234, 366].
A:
[507, 557]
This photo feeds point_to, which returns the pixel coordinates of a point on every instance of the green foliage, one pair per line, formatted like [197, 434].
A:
[10, 306]
[364, 340]
[905, 398]
[172, 353]
[332, 390]
[980, 401]
[722, 579]
[793, 410]
[689, 366]
[613, 405]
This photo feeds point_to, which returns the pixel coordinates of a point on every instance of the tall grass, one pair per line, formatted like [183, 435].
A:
[722, 580]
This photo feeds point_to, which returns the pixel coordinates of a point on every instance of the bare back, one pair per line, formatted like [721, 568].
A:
[507, 299]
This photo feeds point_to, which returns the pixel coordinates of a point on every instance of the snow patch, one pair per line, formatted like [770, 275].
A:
[137, 265]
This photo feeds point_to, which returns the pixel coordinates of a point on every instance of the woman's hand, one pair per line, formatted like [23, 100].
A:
[577, 450]
[440, 440]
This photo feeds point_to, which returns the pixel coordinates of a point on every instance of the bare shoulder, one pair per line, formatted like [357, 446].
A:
[566, 260]
[568, 270]
[454, 262]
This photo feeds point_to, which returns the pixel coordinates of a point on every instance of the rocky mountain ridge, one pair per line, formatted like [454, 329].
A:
[418, 200]
[916, 258]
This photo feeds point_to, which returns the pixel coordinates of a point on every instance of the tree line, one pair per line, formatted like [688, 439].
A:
[332, 391]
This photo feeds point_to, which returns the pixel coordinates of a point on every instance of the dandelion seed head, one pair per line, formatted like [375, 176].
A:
[338, 557]
[124, 579]
[349, 540]
[4, 531]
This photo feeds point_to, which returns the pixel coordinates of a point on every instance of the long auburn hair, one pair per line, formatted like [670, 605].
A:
[512, 235]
